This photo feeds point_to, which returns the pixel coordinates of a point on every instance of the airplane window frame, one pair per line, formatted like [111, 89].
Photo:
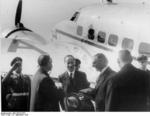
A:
[111, 38]
[126, 42]
[89, 35]
[103, 34]
[75, 16]
[146, 47]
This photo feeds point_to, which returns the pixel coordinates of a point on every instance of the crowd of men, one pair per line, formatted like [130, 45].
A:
[126, 90]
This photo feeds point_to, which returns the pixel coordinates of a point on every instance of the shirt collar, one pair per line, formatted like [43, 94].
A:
[71, 72]
[104, 69]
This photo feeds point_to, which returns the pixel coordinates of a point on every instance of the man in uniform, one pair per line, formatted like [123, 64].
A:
[77, 64]
[143, 61]
[16, 88]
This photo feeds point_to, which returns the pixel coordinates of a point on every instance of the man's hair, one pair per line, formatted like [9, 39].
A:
[15, 60]
[43, 60]
[68, 56]
[102, 57]
[125, 56]
[77, 61]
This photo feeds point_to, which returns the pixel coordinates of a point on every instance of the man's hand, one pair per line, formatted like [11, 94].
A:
[58, 85]
[87, 90]
[16, 65]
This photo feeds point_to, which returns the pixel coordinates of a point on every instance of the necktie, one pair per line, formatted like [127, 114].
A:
[68, 87]
[71, 75]
[71, 78]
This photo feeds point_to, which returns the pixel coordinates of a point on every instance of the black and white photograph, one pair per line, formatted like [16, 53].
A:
[74, 56]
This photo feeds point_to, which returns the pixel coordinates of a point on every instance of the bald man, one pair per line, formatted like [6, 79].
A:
[100, 63]
[127, 90]
[44, 94]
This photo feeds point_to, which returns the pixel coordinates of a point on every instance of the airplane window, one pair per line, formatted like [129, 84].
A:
[144, 48]
[79, 30]
[101, 37]
[127, 44]
[113, 40]
[75, 16]
[91, 34]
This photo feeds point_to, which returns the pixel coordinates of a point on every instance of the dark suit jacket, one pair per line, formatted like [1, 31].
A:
[148, 99]
[47, 96]
[79, 82]
[100, 90]
[127, 90]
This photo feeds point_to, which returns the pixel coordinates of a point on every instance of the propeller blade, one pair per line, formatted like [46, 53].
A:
[18, 12]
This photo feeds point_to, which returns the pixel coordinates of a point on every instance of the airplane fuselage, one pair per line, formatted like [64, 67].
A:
[106, 28]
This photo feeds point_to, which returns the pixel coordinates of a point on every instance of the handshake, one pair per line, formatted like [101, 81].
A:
[58, 85]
